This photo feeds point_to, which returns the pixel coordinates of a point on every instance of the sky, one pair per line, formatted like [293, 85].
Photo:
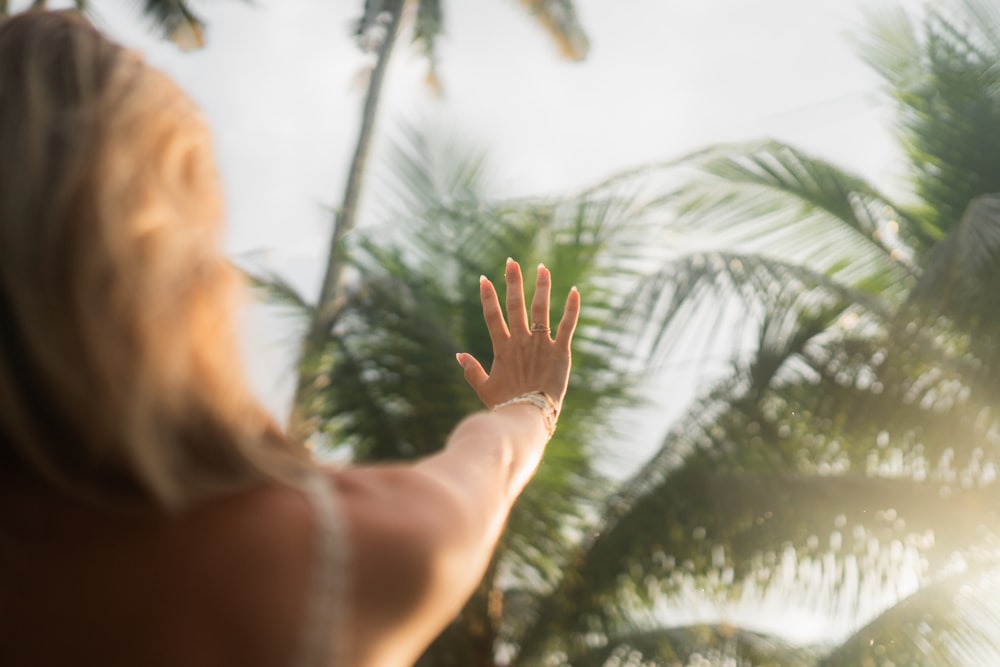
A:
[281, 84]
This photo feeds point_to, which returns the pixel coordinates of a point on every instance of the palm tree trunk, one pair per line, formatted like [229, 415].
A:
[331, 297]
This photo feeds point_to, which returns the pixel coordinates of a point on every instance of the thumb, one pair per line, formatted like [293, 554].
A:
[474, 373]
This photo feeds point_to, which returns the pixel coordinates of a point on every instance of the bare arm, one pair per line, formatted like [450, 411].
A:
[423, 534]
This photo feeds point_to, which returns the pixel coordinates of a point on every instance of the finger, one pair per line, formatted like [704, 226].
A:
[567, 325]
[540, 302]
[475, 374]
[517, 318]
[492, 312]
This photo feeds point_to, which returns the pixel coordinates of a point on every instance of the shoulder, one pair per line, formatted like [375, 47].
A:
[401, 524]
[252, 564]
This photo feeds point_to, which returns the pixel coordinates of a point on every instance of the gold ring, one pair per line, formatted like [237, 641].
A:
[539, 328]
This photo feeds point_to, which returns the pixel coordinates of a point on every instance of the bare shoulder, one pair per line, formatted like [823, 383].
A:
[397, 522]
[401, 523]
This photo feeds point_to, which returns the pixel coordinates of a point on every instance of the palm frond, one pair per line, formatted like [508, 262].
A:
[836, 549]
[982, 23]
[391, 344]
[962, 276]
[709, 644]
[891, 47]
[177, 21]
[445, 219]
[278, 291]
[703, 291]
[944, 79]
[559, 19]
[953, 622]
[774, 196]
[723, 529]
[428, 26]
[822, 446]
[737, 520]
[564, 599]
[430, 171]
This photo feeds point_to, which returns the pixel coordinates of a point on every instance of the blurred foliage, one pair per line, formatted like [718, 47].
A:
[177, 21]
[844, 474]
[557, 17]
[174, 19]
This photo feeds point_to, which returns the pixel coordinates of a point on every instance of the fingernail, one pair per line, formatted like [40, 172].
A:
[541, 267]
[510, 261]
[482, 279]
[574, 289]
[458, 358]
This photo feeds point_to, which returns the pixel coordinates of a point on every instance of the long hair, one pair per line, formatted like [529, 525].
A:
[120, 377]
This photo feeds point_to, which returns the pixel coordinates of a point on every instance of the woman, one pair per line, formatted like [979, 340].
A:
[150, 512]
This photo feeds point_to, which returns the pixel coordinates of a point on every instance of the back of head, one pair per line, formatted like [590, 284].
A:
[119, 376]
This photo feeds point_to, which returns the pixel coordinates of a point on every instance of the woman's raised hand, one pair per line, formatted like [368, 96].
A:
[526, 359]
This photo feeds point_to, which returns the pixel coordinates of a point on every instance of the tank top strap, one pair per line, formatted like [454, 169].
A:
[325, 641]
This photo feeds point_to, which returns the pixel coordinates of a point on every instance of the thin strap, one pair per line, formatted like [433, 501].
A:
[325, 640]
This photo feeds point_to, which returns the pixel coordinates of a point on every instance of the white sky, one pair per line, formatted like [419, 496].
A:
[279, 83]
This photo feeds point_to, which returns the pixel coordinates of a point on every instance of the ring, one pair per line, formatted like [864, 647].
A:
[540, 328]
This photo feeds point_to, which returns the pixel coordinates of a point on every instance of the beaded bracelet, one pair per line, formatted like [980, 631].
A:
[542, 401]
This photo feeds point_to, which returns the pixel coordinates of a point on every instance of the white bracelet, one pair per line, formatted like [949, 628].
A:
[542, 401]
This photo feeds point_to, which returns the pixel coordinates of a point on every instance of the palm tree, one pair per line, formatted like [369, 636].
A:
[376, 33]
[174, 18]
[844, 473]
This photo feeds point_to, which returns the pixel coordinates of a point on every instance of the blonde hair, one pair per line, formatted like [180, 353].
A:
[119, 373]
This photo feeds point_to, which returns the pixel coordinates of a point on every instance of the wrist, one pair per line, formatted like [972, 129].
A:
[547, 406]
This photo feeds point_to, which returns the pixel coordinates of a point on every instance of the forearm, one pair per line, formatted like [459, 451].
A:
[463, 501]
[489, 458]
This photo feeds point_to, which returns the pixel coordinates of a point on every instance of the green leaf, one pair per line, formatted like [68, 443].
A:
[706, 288]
